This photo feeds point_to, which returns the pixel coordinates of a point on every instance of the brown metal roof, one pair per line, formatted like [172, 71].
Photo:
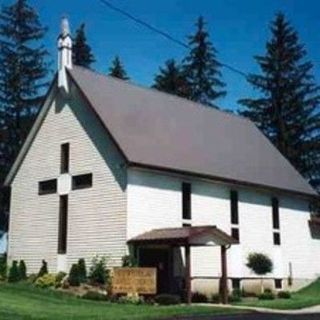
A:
[159, 130]
[199, 235]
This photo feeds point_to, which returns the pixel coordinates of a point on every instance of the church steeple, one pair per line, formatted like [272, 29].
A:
[64, 55]
[64, 45]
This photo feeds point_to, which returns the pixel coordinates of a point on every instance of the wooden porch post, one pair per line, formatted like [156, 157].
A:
[224, 276]
[188, 273]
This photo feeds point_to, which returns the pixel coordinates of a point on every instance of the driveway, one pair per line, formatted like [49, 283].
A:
[254, 316]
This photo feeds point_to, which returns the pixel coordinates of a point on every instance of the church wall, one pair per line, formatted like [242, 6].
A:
[155, 201]
[96, 215]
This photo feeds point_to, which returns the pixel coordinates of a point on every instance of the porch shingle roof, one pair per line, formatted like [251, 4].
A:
[184, 236]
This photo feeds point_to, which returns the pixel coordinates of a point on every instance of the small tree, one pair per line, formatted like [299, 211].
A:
[82, 270]
[74, 275]
[44, 269]
[22, 270]
[260, 264]
[98, 271]
[117, 69]
[3, 267]
[14, 275]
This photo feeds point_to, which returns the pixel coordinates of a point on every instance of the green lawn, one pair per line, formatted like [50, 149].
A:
[24, 302]
[307, 297]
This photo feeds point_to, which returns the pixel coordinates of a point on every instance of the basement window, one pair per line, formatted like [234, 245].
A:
[47, 187]
[82, 181]
[278, 283]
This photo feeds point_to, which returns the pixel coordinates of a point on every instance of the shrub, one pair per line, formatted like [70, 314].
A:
[44, 269]
[74, 276]
[46, 281]
[98, 271]
[129, 261]
[3, 267]
[22, 270]
[267, 295]
[167, 299]
[131, 299]
[14, 275]
[235, 296]
[215, 298]
[199, 297]
[93, 295]
[248, 294]
[82, 271]
[32, 277]
[59, 278]
[284, 295]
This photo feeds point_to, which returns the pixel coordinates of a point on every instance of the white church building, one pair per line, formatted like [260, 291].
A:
[110, 166]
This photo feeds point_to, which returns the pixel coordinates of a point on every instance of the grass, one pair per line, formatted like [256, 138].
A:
[306, 297]
[24, 302]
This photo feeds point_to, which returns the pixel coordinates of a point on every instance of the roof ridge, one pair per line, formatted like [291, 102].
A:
[200, 106]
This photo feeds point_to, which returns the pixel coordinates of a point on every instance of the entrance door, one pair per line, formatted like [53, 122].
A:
[160, 259]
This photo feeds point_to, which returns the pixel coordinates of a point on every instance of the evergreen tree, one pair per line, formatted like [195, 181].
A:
[117, 69]
[172, 79]
[23, 75]
[81, 52]
[202, 68]
[286, 110]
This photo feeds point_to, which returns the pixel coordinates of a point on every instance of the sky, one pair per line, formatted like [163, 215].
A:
[238, 29]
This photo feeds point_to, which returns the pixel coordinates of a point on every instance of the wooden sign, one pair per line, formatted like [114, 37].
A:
[134, 280]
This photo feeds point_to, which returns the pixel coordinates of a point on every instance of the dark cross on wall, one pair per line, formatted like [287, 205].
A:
[63, 185]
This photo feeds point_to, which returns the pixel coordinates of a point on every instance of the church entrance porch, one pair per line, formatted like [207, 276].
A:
[155, 249]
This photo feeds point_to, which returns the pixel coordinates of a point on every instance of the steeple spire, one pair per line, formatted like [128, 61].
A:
[64, 46]
[64, 55]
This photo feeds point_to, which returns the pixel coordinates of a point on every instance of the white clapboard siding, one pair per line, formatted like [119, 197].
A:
[155, 201]
[97, 215]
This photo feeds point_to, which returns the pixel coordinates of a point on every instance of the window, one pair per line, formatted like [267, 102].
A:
[278, 283]
[275, 213]
[235, 284]
[186, 224]
[276, 238]
[63, 225]
[65, 152]
[82, 181]
[186, 201]
[235, 233]
[234, 207]
[47, 187]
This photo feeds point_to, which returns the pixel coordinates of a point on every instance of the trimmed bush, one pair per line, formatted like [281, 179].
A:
[284, 295]
[98, 271]
[82, 270]
[215, 298]
[14, 274]
[93, 295]
[46, 281]
[74, 276]
[59, 278]
[22, 270]
[44, 269]
[235, 296]
[267, 295]
[3, 267]
[129, 261]
[199, 297]
[167, 299]
[131, 299]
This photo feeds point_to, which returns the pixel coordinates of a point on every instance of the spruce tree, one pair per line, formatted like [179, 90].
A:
[202, 68]
[81, 52]
[172, 79]
[117, 69]
[23, 78]
[286, 110]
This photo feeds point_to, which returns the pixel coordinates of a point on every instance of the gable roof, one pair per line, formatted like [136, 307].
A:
[161, 131]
